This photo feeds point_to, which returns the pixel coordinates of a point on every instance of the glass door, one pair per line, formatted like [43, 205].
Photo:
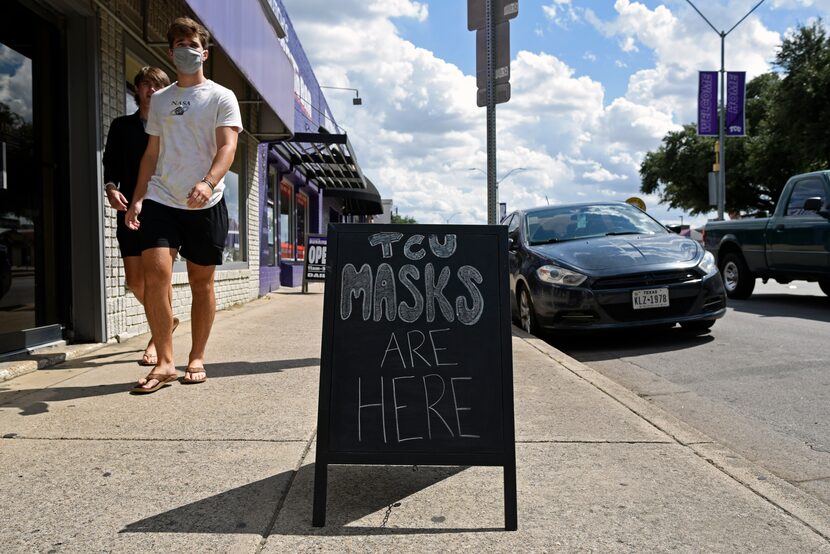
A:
[30, 292]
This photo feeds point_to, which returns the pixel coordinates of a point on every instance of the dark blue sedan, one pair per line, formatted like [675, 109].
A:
[607, 265]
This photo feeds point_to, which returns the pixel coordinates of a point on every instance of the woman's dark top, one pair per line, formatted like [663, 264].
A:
[126, 143]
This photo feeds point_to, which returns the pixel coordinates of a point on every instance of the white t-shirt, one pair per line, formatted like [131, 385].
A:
[186, 119]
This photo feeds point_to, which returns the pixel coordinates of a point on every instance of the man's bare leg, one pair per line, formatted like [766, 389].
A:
[158, 277]
[134, 275]
[202, 313]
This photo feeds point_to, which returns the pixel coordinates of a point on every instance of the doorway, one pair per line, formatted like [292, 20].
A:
[34, 242]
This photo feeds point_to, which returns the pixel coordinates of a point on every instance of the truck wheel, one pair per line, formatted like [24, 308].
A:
[825, 286]
[737, 279]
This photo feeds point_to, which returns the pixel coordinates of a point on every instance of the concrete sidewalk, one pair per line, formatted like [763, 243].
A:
[227, 466]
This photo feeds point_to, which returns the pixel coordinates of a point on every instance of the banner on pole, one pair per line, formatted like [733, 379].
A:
[735, 103]
[707, 104]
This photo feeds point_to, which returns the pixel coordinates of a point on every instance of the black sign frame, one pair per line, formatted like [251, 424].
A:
[306, 279]
[504, 456]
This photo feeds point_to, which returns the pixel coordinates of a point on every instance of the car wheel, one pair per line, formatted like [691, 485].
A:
[737, 279]
[825, 286]
[527, 317]
[699, 326]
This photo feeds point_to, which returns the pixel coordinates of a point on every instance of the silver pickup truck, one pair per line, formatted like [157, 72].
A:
[793, 244]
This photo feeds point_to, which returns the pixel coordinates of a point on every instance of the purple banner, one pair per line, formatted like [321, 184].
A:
[735, 103]
[707, 104]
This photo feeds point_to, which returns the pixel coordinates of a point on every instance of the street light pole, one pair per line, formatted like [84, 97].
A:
[721, 108]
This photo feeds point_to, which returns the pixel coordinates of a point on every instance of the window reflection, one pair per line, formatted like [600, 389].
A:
[19, 206]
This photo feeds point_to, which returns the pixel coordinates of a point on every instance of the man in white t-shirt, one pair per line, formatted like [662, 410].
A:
[193, 127]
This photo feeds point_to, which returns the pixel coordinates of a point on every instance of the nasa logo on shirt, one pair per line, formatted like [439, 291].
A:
[181, 106]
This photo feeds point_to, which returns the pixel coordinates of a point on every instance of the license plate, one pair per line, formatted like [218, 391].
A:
[650, 298]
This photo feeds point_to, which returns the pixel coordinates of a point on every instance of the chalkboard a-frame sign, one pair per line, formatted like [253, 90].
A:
[416, 364]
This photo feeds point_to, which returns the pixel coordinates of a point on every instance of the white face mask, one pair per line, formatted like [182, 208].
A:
[187, 60]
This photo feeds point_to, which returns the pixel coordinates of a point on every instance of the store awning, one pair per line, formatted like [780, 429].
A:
[327, 161]
[248, 38]
[359, 201]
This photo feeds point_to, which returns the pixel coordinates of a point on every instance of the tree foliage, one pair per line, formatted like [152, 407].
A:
[403, 219]
[788, 132]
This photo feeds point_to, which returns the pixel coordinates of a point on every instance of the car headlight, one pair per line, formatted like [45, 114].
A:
[707, 264]
[556, 275]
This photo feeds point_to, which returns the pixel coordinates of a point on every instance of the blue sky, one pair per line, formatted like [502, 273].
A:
[596, 84]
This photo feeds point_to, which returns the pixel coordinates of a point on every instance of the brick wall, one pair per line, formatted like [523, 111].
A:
[125, 316]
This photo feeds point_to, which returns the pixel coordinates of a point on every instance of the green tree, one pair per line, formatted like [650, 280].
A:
[803, 97]
[403, 219]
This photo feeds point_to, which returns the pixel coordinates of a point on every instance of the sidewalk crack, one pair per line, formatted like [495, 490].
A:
[286, 491]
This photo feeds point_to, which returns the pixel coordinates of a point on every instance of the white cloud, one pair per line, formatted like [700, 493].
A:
[419, 130]
[683, 44]
[561, 12]
[590, 56]
[16, 82]
[796, 4]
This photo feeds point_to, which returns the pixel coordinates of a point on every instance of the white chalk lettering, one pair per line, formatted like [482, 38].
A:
[442, 250]
[460, 408]
[407, 313]
[385, 240]
[471, 277]
[435, 349]
[413, 351]
[389, 348]
[431, 407]
[399, 407]
[385, 293]
[407, 247]
[435, 292]
[353, 283]
[360, 406]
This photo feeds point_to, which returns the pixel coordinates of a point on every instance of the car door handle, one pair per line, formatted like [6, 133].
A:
[779, 227]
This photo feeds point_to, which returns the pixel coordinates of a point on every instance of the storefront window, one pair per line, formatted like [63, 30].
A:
[234, 199]
[302, 218]
[132, 64]
[270, 218]
[287, 228]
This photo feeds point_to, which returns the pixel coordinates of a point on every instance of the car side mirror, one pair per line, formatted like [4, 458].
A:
[813, 204]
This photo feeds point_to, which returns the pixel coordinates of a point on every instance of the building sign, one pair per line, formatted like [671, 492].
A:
[315, 260]
[416, 364]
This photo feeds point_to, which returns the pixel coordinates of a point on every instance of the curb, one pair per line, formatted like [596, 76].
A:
[788, 498]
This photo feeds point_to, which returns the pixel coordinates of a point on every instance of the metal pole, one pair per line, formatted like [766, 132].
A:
[722, 173]
[492, 185]
[721, 131]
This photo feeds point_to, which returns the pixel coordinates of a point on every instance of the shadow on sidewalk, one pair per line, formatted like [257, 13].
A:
[36, 401]
[354, 493]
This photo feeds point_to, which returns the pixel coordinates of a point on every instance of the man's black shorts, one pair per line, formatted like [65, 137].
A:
[129, 241]
[198, 235]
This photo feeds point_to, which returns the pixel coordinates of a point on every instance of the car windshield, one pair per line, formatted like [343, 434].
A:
[577, 222]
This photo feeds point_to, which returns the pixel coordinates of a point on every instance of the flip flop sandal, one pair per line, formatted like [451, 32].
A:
[186, 381]
[149, 360]
[161, 381]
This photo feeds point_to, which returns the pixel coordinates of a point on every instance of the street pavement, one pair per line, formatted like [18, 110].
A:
[228, 465]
